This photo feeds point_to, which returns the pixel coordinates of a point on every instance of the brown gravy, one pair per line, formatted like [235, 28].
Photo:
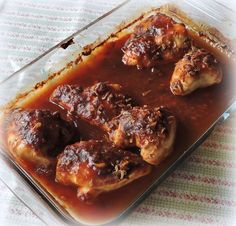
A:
[195, 113]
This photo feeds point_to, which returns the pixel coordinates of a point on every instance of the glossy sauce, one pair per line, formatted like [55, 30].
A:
[195, 113]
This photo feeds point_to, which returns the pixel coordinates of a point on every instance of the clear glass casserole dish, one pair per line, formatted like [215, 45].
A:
[67, 54]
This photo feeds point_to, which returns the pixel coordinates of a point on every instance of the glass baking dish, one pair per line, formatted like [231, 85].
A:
[200, 16]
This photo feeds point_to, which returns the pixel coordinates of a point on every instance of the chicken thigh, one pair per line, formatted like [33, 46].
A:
[97, 104]
[151, 130]
[96, 166]
[37, 135]
[156, 40]
[197, 69]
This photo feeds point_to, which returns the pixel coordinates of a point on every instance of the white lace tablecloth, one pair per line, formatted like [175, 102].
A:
[199, 192]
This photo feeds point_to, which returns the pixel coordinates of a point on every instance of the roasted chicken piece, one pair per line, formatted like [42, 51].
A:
[37, 135]
[97, 104]
[156, 40]
[151, 130]
[96, 166]
[197, 69]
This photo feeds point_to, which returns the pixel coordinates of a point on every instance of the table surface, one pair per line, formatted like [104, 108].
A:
[200, 191]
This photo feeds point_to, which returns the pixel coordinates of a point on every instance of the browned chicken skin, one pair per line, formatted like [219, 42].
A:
[37, 135]
[97, 166]
[197, 69]
[152, 130]
[156, 40]
[97, 104]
